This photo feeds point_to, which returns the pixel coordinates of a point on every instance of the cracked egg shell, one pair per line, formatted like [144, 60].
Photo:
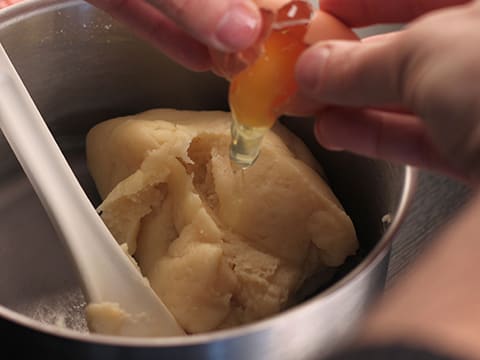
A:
[324, 26]
[272, 5]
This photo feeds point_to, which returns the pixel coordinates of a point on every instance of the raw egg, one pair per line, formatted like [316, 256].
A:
[262, 79]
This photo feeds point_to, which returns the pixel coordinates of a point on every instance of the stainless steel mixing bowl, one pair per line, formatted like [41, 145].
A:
[81, 67]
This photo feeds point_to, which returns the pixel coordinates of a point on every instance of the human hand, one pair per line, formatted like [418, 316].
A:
[184, 29]
[410, 96]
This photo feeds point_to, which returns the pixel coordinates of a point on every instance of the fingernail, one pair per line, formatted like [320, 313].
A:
[310, 68]
[239, 27]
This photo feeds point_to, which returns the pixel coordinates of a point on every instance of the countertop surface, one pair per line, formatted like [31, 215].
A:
[436, 201]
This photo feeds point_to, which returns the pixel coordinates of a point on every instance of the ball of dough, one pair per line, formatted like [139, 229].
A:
[221, 247]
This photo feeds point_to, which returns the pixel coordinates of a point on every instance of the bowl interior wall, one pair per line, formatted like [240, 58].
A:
[81, 67]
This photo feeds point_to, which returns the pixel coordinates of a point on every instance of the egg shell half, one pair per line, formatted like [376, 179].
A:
[324, 26]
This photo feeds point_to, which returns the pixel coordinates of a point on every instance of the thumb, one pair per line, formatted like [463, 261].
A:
[352, 73]
[226, 25]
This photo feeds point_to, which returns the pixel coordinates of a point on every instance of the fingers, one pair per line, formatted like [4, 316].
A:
[357, 13]
[390, 136]
[410, 69]
[227, 25]
[152, 25]
[333, 72]
[307, 101]
[385, 37]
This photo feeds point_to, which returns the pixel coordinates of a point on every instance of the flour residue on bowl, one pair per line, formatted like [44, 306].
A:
[65, 309]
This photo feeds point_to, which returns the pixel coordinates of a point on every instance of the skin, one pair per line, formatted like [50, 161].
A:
[412, 95]
[409, 97]
[436, 303]
[176, 28]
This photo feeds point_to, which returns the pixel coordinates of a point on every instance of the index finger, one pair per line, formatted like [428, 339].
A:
[357, 13]
[228, 26]
[152, 25]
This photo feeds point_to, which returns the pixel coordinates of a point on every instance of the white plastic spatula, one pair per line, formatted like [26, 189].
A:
[105, 271]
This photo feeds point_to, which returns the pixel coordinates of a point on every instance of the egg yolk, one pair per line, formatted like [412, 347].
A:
[258, 93]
